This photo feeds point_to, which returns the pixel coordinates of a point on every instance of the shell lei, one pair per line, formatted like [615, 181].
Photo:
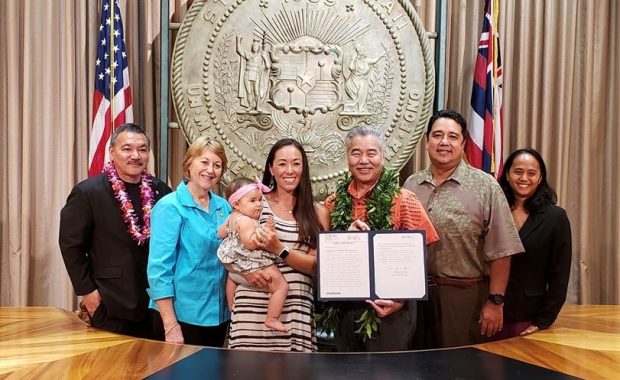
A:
[140, 235]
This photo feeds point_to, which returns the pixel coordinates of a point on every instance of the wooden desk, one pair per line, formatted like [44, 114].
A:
[584, 342]
[52, 343]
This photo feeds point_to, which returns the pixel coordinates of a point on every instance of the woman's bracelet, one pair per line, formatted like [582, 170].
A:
[170, 329]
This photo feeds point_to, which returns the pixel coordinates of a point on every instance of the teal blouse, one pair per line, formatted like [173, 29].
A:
[183, 261]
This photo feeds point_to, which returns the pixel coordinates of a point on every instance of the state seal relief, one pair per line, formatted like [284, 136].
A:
[251, 72]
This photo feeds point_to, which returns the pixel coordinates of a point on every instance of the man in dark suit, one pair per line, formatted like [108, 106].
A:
[104, 231]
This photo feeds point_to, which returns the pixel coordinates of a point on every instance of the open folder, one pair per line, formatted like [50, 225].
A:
[361, 265]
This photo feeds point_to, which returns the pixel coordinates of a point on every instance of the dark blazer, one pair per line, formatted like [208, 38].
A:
[539, 277]
[98, 251]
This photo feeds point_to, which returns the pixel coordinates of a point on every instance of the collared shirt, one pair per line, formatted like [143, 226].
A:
[471, 214]
[407, 213]
[183, 261]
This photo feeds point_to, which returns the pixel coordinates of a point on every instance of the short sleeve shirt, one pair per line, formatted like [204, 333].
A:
[407, 212]
[471, 214]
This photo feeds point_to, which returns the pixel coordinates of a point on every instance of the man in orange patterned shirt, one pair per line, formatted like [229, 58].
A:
[372, 186]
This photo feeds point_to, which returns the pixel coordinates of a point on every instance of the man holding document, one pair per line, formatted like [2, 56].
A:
[371, 200]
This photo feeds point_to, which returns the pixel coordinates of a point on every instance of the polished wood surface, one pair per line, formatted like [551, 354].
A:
[49, 343]
[52, 343]
[583, 342]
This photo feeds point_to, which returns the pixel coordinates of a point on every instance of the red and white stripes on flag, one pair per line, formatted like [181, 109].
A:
[484, 148]
[112, 92]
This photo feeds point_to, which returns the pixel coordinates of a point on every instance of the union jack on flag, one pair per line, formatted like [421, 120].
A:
[112, 92]
[484, 148]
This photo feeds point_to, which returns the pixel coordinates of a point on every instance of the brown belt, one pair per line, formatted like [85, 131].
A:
[454, 281]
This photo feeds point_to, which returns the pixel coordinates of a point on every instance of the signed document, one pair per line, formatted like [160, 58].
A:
[356, 265]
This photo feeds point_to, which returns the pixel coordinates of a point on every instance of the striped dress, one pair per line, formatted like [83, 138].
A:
[247, 328]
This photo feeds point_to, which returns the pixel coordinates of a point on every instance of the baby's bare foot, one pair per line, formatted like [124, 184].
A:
[274, 324]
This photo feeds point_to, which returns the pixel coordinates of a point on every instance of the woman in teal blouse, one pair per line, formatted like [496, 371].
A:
[186, 279]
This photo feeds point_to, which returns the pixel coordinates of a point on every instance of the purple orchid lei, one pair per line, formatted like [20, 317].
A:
[127, 210]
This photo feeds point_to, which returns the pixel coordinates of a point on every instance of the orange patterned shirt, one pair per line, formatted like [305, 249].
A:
[407, 211]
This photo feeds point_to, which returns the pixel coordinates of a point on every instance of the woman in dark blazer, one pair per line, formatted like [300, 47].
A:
[538, 279]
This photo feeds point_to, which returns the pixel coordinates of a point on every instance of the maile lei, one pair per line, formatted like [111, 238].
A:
[379, 217]
[140, 235]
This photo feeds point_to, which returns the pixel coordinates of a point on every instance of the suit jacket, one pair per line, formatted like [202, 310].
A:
[98, 251]
[538, 279]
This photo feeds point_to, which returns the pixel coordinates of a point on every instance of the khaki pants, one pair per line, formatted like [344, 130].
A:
[450, 316]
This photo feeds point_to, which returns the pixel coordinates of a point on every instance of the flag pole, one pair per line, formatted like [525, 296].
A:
[492, 46]
[112, 71]
[496, 108]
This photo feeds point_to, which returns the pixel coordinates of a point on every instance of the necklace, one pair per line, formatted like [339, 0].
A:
[378, 203]
[201, 197]
[140, 235]
[204, 203]
[281, 207]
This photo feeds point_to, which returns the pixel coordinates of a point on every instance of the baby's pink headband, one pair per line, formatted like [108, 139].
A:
[243, 190]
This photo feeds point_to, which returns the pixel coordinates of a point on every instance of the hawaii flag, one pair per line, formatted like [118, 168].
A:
[112, 93]
[484, 150]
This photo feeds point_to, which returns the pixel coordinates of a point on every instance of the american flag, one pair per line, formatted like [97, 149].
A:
[484, 149]
[112, 92]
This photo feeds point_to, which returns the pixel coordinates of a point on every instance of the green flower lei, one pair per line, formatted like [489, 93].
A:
[378, 204]
[379, 216]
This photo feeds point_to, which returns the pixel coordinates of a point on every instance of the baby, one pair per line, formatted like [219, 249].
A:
[239, 252]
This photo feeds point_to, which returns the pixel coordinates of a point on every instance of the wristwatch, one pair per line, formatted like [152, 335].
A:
[496, 298]
[284, 253]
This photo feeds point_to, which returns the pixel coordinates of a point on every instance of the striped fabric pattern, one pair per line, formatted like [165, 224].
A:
[247, 329]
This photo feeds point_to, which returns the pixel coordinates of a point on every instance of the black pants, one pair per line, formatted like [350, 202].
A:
[139, 329]
[395, 332]
[211, 336]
